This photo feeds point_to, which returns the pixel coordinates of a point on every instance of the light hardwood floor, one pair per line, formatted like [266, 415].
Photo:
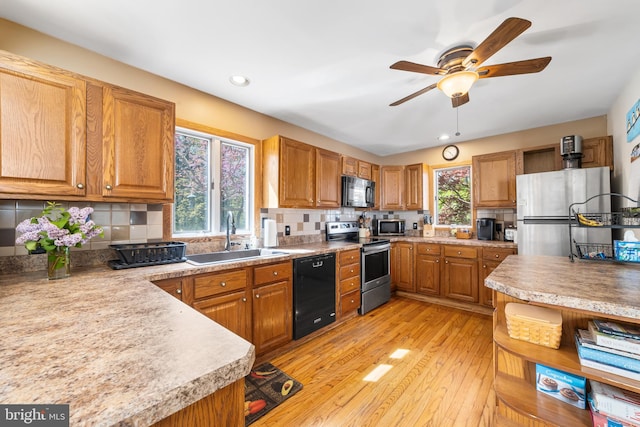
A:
[445, 379]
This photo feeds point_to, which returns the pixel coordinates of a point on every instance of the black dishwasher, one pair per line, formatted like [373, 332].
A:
[314, 293]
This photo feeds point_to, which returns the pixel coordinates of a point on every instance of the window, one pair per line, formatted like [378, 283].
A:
[453, 195]
[213, 176]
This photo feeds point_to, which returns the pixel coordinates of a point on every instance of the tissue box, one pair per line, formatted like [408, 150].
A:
[561, 385]
[627, 251]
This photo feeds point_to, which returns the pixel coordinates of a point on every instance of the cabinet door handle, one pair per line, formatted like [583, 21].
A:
[352, 301]
[223, 284]
[80, 185]
[459, 253]
[446, 262]
[244, 299]
[437, 261]
[497, 255]
[108, 187]
[484, 266]
[275, 273]
[178, 291]
[257, 295]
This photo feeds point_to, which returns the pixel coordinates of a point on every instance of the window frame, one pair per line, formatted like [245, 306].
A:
[433, 202]
[254, 180]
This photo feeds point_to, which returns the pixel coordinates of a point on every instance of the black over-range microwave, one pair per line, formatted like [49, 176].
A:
[358, 192]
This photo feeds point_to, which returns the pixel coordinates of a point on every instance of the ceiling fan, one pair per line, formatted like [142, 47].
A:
[459, 65]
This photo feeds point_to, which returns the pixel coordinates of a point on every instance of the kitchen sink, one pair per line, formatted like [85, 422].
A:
[227, 256]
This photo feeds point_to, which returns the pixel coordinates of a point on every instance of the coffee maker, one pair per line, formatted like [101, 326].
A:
[571, 151]
[485, 228]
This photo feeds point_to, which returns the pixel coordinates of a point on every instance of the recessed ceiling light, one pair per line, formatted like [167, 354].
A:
[239, 80]
[443, 137]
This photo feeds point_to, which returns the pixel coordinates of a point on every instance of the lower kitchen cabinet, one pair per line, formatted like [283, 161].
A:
[223, 297]
[171, 286]
[491, 258]
[460, 273]
[349, 279]
[404, 274]
[428, 269]
[272, 301]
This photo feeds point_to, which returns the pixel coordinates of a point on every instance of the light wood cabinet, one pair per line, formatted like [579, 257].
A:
[404, 270]
[428, 269]
[349, 279]
[597, 152]
[224, 298]
[491, 259]
[375, 177]
[137, 145]
[460, 273]
[272, 302]
[75, 138]
[298, 175]
[42, 130]
[392, 191]
[349, 166]
[415, 196]
[494, 180]
[172, 286]
[328, 183]
[364, 170]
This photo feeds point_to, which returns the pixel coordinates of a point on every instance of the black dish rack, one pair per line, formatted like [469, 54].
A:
[145, 254]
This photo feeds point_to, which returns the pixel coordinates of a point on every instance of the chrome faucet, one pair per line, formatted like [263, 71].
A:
[231, 229]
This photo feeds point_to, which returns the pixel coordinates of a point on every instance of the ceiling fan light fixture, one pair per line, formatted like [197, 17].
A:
[457, 84]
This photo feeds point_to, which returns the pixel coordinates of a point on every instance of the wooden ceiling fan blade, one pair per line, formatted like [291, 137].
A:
[413, 95]
[457, 101]
[512, 68]
[501, 36]
[417, 68]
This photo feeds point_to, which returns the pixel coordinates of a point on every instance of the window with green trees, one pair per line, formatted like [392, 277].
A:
[453, 195]
[213, 176]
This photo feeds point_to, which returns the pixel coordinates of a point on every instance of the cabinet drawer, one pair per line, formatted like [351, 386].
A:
[349, 285]
[271, 273]
[350, 302]
[207, 285]
[347, 271]
[350, 257]
[428, 249]
[460, 251]
[496, 254]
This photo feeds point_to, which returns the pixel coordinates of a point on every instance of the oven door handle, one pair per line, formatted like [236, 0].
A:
[376, 248]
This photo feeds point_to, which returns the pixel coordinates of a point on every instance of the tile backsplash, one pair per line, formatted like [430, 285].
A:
[122, 223]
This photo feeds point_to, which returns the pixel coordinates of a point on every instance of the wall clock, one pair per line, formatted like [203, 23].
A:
[450, 152]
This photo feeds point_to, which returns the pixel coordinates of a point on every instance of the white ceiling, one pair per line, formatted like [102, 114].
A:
[324, 65]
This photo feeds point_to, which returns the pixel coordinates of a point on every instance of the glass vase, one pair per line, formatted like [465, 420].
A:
[58, 266]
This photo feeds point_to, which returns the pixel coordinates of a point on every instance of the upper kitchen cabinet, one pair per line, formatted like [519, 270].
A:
[596, 152]
[392, 191]
[70, 137]
[133, 134]
[494, 180]
[415, 197]
[42, 130]
[328, 184]
[289, 169]
[354, 167]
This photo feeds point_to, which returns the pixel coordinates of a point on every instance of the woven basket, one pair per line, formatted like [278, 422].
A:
[537, 325]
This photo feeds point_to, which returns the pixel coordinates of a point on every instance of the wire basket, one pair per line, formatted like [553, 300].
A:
[150, 253]
[595, 251]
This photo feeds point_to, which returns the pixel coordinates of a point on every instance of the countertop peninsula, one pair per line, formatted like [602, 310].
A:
[118, 349]
[601, 287]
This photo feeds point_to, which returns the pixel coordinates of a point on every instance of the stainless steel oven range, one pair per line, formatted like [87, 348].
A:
[375, 277]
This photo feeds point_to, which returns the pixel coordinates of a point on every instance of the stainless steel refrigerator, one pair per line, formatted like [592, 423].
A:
[543, 201]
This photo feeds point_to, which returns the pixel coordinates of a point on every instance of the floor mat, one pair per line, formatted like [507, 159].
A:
[265, 388]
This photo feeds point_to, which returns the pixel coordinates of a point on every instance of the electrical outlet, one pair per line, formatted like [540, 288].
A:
[415, 225]
[287, 230]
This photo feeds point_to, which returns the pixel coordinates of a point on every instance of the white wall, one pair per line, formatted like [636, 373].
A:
[626, 176]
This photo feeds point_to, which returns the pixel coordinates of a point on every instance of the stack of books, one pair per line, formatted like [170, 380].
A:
[612, 406]
[610, 346]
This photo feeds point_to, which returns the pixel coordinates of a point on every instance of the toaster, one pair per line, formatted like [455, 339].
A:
[511, 234]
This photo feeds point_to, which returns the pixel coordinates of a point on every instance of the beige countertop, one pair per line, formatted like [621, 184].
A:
[118, 349]
[600, 287]
[112, 345]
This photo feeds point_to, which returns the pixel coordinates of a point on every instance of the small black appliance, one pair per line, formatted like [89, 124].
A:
[485, 228]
